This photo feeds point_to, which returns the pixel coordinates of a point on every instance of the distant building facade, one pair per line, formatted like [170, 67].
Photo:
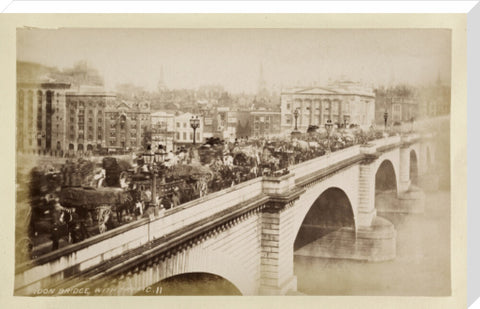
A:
[127, 124]
[163, 129]
[340, 102]
[265, 123]
[54, 119]
[184, 132]
[41, 117]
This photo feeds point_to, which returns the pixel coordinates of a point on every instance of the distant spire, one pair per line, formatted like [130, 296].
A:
[262, 85]
[439, 79]
[161, 82]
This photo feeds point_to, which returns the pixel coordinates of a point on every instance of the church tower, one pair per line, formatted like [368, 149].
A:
[161, 82]
[262, 92]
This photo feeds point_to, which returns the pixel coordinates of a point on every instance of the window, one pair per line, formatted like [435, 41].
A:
[184, 124]
[90, 137]
[99, 136]
[178, 135]
[71, 128]
[198, 135]
[184, 136]
[288, 106]
[178, 124]
[191, 136]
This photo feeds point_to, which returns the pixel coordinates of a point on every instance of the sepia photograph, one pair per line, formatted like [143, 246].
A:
[233, 161]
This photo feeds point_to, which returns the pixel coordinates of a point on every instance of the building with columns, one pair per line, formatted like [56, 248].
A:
[342, 102]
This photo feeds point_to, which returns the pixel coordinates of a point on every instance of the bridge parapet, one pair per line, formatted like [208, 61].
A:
[305, 168]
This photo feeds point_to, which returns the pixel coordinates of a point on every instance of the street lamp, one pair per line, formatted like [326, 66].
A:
[295, 114]
[346, 120]
[194, 123]
[385, 118]
[154, 162]
[329, 127]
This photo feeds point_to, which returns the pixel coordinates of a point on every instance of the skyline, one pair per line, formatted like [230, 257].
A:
[190, 58]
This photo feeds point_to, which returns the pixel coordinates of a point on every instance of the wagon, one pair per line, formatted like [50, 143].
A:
[102, 201]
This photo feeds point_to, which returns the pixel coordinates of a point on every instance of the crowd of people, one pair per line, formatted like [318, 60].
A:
[185, 175]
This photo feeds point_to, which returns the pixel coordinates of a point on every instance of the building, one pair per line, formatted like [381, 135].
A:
[341, 102]
[184, 132]
[400, 102]
[226, 123]
[41, 117]
[127, 124]
[163, 129]
[53, 118]
[399, 109]
[86, 119]
[265, 123]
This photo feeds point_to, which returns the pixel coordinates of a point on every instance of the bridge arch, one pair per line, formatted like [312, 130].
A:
[192, 284]
[331, 210]
[386, 177]
[193, 264]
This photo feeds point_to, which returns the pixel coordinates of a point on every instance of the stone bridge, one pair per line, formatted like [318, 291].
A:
[248, 234]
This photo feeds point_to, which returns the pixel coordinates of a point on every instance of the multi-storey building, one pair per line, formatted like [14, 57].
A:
[163, 129]
[52, 118]
[41, 117]
[127, 124]
[265, 123]
[184, 132]
[340, 102]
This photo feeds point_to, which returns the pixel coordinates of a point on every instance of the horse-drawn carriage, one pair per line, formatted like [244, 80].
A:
[97, 204]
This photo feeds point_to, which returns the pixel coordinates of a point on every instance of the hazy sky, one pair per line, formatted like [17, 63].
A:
[232, 57]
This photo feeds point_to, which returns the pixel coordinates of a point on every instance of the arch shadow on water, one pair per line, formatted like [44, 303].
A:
[192, 284]
[330, 212]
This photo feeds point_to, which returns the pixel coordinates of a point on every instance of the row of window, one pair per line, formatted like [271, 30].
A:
[184, 136]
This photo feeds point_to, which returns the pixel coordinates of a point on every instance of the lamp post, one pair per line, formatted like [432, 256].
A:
[295, 114]
[194, 123]
[385, 118]
[154, 162]
[346, 120]
[329, 127]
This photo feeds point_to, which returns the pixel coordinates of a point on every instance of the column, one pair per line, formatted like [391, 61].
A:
[340, 112]
[302, 107]
[330, 110]
[320, 114]
[312, 111]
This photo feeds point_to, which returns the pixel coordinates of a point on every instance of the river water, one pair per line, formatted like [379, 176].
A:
[421, 266]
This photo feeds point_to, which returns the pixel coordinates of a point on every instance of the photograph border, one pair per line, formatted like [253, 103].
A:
[455, 22]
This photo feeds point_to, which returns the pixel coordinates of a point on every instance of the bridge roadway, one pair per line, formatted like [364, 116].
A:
[246, 234]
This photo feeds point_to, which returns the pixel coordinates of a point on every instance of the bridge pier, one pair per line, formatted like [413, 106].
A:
[277, 236]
